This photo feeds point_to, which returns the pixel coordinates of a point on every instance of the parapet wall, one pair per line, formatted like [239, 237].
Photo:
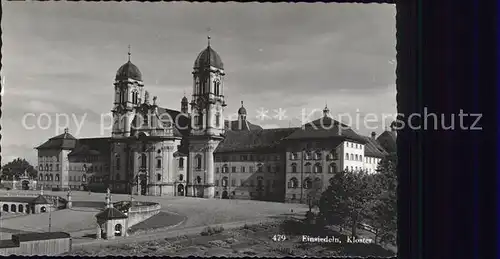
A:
[137, 214]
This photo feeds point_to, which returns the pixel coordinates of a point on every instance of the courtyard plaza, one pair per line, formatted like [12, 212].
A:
[183, 212]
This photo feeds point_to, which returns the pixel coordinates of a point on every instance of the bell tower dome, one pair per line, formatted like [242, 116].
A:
[128, 91]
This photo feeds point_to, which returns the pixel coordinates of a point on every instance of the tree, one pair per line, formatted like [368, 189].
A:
[344, 202]
[313, 194]
[383, 214]
[16, 168]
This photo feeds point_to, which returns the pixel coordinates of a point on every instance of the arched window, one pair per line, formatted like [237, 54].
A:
[158, 177]
[224, 181]
[307, 183]
[352, 157]
[197, 86]
[40, 177]
[158, 163]
[198, 161]
[198, 179]
[361, 158]
[317, 183]
[47, 177]
[181, 162]
[217, 120]
[135, 97]
[260, 181]
[293, 156]
[259, 168]
[118, 162]
[118, 177]
[317, 168]
[144, 161]
[46, 167]
[41, 167]
[146, 119]
[307, 155]
[13, 208]
[332, 168]
[57, 177]
[307, 167]
[356, 157]
[352, 169]
[225, 168]
[347, 156]
[51, 177]
[317, 155]
[294, 168]
[181, 177]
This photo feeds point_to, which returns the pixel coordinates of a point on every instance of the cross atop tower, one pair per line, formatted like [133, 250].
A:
[208, 35]
[128, 53]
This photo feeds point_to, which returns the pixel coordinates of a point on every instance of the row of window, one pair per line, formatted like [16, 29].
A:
[122, 96]
[203, 87]
[308, 155]
[271, 157]
[199, 120]
[353, 157]
[317, 168]
[249, 183]
[307, 184]
[354, 145]
[144, 161]
[48, 159]
[371, 160]
[260, 169]
[48, 167]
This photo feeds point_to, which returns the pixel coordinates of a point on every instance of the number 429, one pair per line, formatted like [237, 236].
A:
[279, 238]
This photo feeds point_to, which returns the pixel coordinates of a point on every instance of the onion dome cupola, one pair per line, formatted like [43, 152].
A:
[128, 70]
[209, 58]
[242, 110]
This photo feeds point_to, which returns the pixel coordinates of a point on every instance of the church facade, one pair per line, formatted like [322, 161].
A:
[195, 152]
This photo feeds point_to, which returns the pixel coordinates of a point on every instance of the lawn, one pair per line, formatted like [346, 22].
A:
[254, 240]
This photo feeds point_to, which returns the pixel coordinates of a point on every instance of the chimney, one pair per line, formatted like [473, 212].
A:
[373, 134]
[66, 130]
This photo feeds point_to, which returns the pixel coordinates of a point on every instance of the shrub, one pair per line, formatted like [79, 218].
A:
[208, 231]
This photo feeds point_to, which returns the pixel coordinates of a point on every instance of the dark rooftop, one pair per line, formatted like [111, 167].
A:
[373, 148]
[111, 213]
[63, 141]
[8, 244]
[254, 140]
[39, 236]
[325, 127]
[31, 200]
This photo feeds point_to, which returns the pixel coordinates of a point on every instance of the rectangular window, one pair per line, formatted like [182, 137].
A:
[242, 183]
[250, 169]
[242, 169]
[158, 163]
[217, 170]
[233, 182]
[216, 182]
[233, 169]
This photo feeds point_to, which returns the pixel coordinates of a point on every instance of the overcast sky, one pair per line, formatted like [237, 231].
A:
[62, 58]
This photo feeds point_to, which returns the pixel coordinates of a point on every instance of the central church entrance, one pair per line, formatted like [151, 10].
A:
[180, 190]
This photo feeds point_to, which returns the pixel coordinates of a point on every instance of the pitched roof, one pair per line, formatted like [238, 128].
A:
[236, 125]
[111, 213]
[63, 141]
[91, 146]
[8, 244]
[254, 140]
[39, 236]
[179, 120]
[388, 141]
[325, 127]
[40, 199]
[373, 148]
